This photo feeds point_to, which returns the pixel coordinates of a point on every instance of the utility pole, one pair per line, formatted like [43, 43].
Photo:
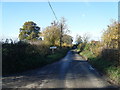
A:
[61, 29]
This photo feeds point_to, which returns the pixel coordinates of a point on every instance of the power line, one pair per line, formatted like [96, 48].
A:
[52, 10]
[61, 27]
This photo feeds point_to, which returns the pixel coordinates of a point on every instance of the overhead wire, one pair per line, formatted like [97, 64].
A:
[58, 21]
[52, 10]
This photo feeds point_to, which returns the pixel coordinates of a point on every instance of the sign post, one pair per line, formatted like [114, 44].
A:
[53, 48]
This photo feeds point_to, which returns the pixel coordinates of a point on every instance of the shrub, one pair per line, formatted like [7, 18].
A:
[21, 56]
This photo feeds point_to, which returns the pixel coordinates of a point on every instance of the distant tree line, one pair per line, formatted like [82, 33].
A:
[52, 34]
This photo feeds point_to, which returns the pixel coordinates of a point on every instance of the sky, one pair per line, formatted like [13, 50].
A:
[81, 17]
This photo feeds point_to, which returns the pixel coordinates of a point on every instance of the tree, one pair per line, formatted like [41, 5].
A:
[63, 29]
[78, 39]
[111, 35]
[29, 31]
[54, 34]
[64, 25]
[86, 37]
[51, 34]
[67, 39]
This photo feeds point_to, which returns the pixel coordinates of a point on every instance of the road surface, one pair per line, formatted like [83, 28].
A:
[70, 72]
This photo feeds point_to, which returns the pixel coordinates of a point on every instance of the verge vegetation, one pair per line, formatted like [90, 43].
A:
[104, 55]
[21, 56]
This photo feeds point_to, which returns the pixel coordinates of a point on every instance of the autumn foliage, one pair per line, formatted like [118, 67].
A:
[105, 54]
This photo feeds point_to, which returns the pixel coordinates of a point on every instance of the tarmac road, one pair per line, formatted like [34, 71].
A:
[70, 72]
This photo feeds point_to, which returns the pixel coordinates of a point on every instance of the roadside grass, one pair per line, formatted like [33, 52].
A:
[87, 54]
[107, 67]
[114, 73]
[57, 56]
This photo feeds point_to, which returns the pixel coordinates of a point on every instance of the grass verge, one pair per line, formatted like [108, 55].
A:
[107, 67]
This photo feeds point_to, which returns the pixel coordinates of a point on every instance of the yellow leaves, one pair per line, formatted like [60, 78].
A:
[51, 34]
[111, 35]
